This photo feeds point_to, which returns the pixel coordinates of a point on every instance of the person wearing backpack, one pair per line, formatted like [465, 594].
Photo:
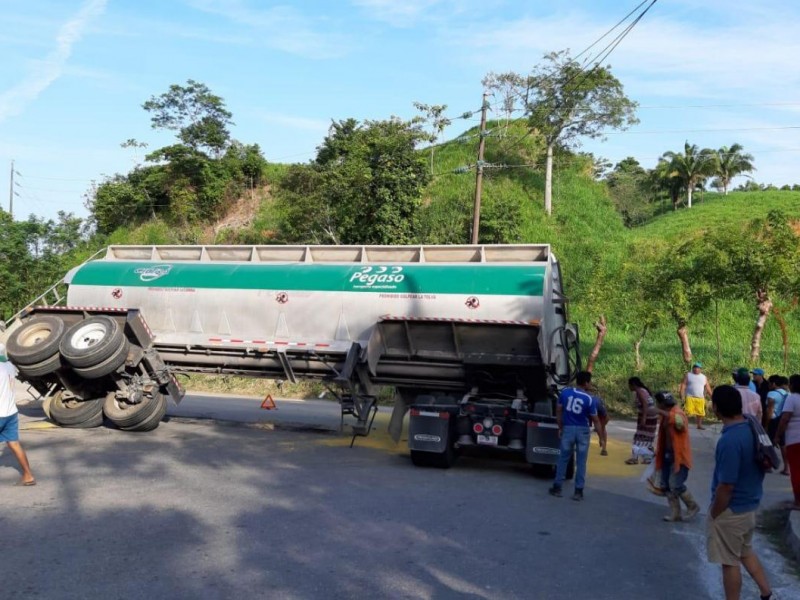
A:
[775, 400]
[736, 490]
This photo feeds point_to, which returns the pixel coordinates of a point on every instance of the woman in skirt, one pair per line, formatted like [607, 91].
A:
[646, 423]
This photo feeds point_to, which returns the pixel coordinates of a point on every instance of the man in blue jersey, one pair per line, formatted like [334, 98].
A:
[576, 409]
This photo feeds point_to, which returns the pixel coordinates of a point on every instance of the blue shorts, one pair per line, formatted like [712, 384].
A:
[9, 428]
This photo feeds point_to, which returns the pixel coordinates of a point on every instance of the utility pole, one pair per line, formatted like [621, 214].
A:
[476, 216]
[11, 192]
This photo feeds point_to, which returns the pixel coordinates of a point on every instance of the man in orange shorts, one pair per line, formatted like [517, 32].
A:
[694, 389]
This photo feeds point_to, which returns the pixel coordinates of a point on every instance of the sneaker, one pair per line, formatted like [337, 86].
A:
[555, 491]
[603, 452]
[578, 495]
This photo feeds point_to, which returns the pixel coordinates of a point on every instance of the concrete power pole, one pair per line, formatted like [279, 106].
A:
[11, 192]
[476, 216]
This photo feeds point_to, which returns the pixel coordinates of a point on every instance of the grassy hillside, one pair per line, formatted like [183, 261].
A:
[715, 210]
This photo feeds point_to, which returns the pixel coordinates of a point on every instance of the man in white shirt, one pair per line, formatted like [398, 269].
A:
[9, 417]
[751, 401]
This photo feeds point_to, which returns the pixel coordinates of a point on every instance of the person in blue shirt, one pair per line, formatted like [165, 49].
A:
[736, 490]
[576, 409]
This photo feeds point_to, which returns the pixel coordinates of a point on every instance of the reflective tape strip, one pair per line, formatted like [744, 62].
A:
[268, 343]
[445, 320]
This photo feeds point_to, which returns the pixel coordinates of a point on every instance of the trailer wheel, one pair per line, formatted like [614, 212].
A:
[108, 366]
[91, 341]
[35, 340]
[41, 369]
[128, 416]
[153, 420]
[76, 413]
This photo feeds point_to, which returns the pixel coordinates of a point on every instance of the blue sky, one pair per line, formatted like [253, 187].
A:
[75, 73]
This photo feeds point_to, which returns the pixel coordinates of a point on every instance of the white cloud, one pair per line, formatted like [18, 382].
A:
[667, 55]
[14, 100]
[280, 27]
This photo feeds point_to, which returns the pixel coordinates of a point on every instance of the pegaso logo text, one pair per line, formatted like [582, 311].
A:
[377, 276]
[153, 273]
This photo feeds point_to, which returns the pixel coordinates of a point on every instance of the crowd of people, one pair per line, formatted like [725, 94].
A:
[753, 410]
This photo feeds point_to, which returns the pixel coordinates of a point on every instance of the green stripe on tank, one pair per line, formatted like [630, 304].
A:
[515, 280]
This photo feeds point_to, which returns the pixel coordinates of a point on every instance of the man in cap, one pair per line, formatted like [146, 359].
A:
[762, 389]
[694, 389]
[751, 401]
[9, 417]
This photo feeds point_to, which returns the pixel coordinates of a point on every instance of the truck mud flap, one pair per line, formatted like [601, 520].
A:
[429, 429]
[542, 443]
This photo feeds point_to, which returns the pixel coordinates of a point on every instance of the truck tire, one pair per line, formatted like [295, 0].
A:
[108, 366]
[76, 413]
[128, 416]
[91, 341]
[155, 419]
[40, 369]
[36, 340]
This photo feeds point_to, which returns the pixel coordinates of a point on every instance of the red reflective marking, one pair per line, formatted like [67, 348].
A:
[281, 343]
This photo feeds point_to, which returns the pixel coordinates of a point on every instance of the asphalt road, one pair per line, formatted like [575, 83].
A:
[213, 509]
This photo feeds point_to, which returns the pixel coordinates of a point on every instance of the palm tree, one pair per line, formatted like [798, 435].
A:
[663, 179]
[731, 162]
[692, 167]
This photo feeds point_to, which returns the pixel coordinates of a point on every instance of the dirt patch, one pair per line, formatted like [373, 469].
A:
[241, 213]
[795, 225]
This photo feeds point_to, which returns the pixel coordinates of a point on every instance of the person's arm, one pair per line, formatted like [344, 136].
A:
[708, 389]
[640, 395]
[598, 425]
[786, 416]
[722, 498]
[770, 409]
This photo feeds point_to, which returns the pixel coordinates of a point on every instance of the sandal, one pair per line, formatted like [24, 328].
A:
[632, 461]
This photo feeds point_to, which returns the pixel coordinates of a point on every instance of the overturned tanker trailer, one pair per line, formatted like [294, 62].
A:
[474, 339]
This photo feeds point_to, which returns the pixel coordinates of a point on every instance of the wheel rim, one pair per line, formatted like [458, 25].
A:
[35, 335]
[88, 335]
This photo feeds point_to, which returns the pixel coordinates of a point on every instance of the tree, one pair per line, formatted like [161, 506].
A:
[434, 115]
[511, 89]
[663, 178]
[199, 117]
[766, 257]
[731, 162]
[564, 102]
[364, 186]
[691, 167]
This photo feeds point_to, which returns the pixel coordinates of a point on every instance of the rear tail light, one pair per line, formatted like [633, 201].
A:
[414, 412]
[497, 430]
[477, 428]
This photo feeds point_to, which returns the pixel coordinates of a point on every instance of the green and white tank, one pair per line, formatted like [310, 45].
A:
[324, 296]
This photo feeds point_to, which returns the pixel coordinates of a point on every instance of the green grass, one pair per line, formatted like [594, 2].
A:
[716, 210]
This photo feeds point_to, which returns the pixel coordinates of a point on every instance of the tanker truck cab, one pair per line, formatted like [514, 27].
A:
[474, 339]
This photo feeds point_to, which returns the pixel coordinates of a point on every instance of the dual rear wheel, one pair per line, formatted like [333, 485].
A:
[92, 349]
